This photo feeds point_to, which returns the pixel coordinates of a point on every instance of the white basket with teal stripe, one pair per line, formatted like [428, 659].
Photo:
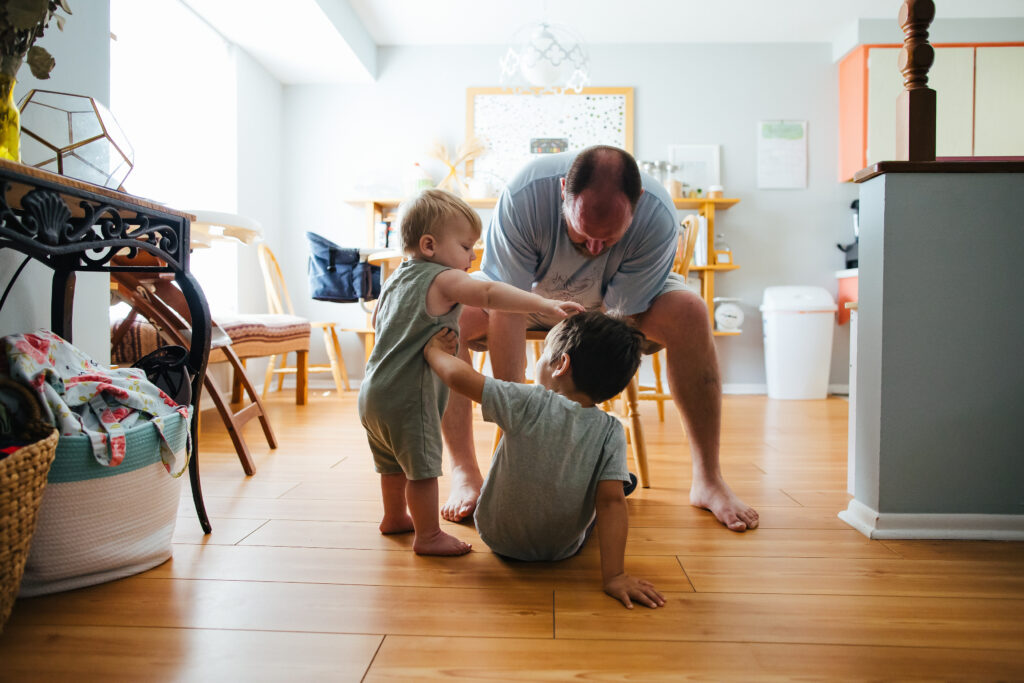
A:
[99, 523]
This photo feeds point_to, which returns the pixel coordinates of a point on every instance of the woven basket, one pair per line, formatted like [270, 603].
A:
[22, 479]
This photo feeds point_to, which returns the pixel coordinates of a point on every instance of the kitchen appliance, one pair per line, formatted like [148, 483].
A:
[851, 249]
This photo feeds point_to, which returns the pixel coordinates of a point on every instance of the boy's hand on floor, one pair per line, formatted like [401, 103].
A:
[624, 587]
[446, 340]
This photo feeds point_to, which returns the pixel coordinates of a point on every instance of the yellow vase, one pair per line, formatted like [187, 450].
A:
[10, 119]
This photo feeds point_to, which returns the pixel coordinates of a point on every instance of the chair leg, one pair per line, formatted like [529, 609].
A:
[301, 378]
[269, 377]
[255, 408]
[280, 377]
[337, 362]
[656, 361]
[637, 435]
[236, 384]
[234, 429]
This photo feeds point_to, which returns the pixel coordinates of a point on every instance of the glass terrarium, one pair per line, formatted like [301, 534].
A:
[75, 136]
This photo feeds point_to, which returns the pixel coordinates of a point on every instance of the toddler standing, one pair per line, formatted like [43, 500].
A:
[401, 401]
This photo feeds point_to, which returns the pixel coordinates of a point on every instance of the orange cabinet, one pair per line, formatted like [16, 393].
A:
[967, 109]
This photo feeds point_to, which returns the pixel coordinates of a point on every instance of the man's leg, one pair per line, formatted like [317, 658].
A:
[678, 320]
[457, 429]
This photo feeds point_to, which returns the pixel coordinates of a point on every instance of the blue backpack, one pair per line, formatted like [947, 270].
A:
[337, 274]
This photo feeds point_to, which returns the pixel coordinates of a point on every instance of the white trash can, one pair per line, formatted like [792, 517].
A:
[798, 324]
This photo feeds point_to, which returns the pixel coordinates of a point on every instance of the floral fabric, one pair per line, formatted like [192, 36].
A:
[83, 397]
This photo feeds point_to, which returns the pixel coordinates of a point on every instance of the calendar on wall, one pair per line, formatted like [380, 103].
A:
[518, 127]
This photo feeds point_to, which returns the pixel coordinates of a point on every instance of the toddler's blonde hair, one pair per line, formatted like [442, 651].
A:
[428, 211]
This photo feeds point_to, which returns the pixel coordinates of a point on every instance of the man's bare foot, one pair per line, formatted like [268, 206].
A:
[440, 543]
[398, 524]
[464, 493]
[724, 505]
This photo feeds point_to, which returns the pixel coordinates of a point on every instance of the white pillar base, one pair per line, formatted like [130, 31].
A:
[891, 525]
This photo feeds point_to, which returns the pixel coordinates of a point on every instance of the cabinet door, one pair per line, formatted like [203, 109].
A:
[885, 83]
[951, 77]
[999, 103]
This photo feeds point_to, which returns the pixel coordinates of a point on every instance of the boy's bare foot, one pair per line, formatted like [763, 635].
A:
[719, 499]
[439, 543]
[398, 524]
[464, 494]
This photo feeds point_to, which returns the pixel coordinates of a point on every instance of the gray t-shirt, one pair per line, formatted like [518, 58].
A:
[527, 244]
[540, 494]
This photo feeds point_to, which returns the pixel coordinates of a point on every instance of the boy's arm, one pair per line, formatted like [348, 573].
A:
[460, 288]
[612, 528]
[453, 371]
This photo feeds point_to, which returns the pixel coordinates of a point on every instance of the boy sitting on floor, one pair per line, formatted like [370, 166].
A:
[562, 460]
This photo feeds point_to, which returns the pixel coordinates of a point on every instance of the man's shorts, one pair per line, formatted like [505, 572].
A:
[674, 282]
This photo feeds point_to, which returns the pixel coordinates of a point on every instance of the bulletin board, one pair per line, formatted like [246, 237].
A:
[518, 127]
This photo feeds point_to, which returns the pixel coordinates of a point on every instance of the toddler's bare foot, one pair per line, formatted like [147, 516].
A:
[464, 494]
[439, 543]
[398, 524]
[719, 499]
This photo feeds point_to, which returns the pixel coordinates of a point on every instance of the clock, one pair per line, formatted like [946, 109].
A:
[728, 315]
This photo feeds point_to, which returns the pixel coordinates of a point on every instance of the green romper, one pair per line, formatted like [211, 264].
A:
[401, 400]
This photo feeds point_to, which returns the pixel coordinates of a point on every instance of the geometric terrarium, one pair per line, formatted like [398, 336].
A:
[74, 136]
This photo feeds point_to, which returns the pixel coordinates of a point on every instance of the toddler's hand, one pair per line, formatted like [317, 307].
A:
[563, 309]
[446, 340]
[623, 587]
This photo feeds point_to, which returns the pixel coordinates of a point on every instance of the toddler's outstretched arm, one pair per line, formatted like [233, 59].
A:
[612, 529]
[458, 287]
[453, 371]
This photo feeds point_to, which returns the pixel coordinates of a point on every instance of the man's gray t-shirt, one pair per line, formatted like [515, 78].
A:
[540, 494]
[527, 244]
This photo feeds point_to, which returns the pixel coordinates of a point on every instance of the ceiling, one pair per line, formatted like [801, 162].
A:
[336, 40]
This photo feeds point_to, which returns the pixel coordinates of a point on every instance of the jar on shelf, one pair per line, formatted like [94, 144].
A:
[723, 252]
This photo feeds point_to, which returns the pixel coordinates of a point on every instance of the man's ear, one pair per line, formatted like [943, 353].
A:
[427, 244]
[562, 366]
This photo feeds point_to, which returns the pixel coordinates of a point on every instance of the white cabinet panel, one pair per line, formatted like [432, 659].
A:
[885, 83]
[999, 104]
[951, 77]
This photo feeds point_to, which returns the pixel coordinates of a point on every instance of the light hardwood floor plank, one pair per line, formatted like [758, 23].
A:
[404, 568]
[821, 619]
[120, 653]
[854, 576]
[406, 658]
[766, 542]
[321, 608]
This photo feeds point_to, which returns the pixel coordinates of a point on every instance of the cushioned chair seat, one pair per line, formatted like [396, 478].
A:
[250, 335]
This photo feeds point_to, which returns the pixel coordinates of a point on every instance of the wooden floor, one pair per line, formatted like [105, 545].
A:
[295, 583]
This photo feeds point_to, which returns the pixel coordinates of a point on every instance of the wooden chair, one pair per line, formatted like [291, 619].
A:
[280, 303]
[163, 305]
[681, 265]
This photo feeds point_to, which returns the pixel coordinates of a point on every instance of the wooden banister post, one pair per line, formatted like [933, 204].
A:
[915, 106]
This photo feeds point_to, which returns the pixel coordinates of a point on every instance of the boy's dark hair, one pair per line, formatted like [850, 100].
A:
[604, 164]
[604, 352]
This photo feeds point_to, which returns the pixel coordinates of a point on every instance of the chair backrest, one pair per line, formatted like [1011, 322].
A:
[278, 300]
[687, 242]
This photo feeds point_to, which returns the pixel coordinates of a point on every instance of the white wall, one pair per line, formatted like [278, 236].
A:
[82, 52]
[360, 139]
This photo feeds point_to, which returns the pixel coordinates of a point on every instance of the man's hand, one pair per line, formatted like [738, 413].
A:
[623, 587]
[446, 341]
[562, 309]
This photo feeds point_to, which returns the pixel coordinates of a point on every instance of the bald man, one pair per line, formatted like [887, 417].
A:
[588, 227]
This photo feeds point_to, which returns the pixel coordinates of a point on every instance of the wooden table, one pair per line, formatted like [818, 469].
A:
[74, 226]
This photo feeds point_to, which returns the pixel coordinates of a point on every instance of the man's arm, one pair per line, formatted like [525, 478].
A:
[612, 529]
[453, 371]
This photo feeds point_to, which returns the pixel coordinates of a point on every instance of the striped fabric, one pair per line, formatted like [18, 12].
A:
[252, 336]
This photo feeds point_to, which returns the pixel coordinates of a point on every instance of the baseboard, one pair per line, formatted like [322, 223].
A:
[839, 389]
[892, 525]
[744, 389]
